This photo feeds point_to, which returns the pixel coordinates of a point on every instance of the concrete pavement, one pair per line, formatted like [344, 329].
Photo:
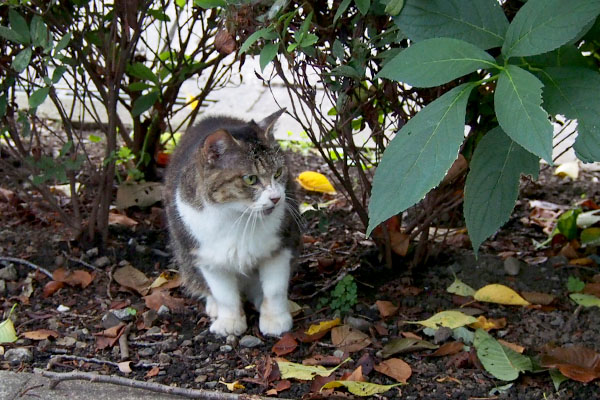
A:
[25, 385]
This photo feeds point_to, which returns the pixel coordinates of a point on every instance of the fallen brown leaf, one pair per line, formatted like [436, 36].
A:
[132, 278]
[40, 334]
[152, 373]
[110, 336]
[286, 345]
[120, 219]
[395, 368]
[448, 349]
[576, 362]
[386, 308]
[52, 287]
[73, 278]
[356, 375]
[348, 339]
[411, 335]
[367, 363]
[159, 298]
[326, 361]
[516, 347]
[538, 298]
[592, 288]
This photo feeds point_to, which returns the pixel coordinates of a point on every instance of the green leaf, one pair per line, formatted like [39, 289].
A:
[557, 378]
[141, 71]
[39, 32]
[139, 86]
[567, 223]
[517, 102]
[19, 26]
[568, 55]
[95, 139]
[62, 43]
[210, 3]
[21, 60]
[393, 7]
[573, 92]
[267, 54]
[3, 104]
[492, 186]
[434, 62]
[480, 22]
[590, 237]
[38, 97]
[575, 284]
[460, 288]
[180, 3]
[361, 388]
[7, 329]
[585, 300]
[266, 33]
[58, 73]
[502, 362]
[12, 35]
[363, 6]
[144, 103]
[341, 9]
[544, 25]
[419, 156]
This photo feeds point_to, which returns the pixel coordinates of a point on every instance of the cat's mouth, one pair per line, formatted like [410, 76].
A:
[268, 210]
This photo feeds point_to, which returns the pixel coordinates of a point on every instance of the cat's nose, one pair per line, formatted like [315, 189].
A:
[275, 199]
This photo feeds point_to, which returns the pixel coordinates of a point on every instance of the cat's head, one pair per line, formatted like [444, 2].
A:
[244, 167]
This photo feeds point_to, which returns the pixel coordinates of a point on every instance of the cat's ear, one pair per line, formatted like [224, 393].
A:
[267, 124]
[217, 144]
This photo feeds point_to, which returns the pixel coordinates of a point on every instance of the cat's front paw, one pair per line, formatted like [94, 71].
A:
[229, 326]
[275, 324]
[211, 308]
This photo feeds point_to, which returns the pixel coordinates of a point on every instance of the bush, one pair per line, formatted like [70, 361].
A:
[414, 68]
[103, 53]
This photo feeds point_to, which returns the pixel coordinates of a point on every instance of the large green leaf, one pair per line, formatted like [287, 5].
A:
[517, 102]
[21, 60]
[544, 25]
[434, 62]
[573, 92]
[19, 26]
[38, 97]
[267, 54]
[500, 361]
[481, 22]
[419, 156]
[139, 70]
[492, 185]
[567, 55]
[144, 102]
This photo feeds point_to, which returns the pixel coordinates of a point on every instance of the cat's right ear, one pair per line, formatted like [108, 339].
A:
[217, 144]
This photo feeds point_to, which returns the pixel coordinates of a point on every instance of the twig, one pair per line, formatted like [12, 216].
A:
[329, 284]
[123, 347]
[24, 392]
[29, 264]
[61, 357]
[80, 261]
[571, 321]
[57, 377]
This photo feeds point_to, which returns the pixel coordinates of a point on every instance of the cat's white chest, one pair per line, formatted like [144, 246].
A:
[228, 239]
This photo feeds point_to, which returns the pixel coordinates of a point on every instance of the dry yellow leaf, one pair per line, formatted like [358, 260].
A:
[449, 319]
[315, 182]
[323, 326]
[500, 294]
[516, 347]
[488, 324]
[233, 385]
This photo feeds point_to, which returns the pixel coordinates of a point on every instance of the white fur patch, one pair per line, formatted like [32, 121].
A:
[230, 239]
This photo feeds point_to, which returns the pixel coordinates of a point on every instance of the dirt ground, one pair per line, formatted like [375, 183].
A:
[174, 347]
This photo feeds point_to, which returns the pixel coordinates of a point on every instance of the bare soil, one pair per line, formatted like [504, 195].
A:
[177, 349]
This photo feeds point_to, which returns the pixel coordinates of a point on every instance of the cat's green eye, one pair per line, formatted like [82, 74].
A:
[250, 179]
[278, 173]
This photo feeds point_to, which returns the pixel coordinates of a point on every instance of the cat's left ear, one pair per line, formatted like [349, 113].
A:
[267, 124]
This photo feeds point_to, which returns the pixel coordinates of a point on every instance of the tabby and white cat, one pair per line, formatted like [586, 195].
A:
[230, 208]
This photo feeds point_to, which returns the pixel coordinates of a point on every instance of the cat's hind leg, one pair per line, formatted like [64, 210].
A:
[275, 317]
[230, 317]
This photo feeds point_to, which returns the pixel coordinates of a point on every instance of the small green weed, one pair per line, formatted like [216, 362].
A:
[343, 297]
